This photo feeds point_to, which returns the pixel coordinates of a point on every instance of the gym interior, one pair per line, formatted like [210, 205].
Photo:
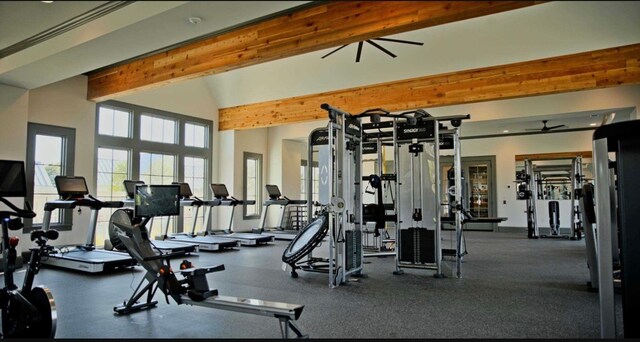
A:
[282, 169]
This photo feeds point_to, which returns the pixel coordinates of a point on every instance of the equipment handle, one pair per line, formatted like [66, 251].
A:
[23, 213]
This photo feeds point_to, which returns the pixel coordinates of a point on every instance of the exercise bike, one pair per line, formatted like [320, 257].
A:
[27, 312]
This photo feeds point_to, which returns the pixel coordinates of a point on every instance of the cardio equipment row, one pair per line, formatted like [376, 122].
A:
[74, 194]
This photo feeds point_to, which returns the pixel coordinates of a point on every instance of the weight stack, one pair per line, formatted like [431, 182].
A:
[417, 246]
[353, 248]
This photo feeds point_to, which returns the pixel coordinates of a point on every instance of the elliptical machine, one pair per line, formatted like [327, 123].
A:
[27, 312]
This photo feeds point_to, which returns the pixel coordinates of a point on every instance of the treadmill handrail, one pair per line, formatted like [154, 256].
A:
[90, 202]
[59, 204]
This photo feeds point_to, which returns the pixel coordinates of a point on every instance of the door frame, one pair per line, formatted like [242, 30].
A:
[491, 179]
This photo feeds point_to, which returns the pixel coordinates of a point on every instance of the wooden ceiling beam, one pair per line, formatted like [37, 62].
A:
[328, 24]
[553, 156]
[582, 71]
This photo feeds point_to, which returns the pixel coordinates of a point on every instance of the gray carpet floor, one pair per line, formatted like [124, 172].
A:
[511, 287]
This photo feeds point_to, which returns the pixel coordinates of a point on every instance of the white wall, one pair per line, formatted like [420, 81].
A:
[64, 104]
[14, 107]
[254, 141]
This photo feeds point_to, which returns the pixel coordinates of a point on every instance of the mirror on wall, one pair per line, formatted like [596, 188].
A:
[553, 176]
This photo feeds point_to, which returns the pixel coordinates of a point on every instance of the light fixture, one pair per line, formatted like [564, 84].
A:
[195, 20]
[46, 2]
[592, 124]
[505, 131]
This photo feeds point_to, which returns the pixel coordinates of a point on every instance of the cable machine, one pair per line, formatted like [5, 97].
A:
[340, 196]
[533, 184]
[616, 159]
[417, 144]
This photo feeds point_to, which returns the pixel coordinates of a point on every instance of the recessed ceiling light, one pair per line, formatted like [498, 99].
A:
[47, 2]
[505, 131]
[195, 20]
[592, 124]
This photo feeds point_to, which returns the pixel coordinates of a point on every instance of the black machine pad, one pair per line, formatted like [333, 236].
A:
[13, 182]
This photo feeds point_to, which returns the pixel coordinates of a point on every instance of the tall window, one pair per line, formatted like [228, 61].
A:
[161, 147]
[113, 169]
[156, 168]
[252, 184]
[194, 174]
[50, 152]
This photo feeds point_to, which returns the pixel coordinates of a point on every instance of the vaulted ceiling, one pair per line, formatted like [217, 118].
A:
[132, 29]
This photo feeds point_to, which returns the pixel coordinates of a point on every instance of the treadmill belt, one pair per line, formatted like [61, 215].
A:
[95, 256]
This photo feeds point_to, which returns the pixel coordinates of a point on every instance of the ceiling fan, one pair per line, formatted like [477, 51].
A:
[544, 127]
[371, 42]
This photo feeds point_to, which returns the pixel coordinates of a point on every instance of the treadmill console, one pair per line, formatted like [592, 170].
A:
[185, 190]
[130, 187]
[273, 191]
[71, 187]
[219, 191]
[157, 200]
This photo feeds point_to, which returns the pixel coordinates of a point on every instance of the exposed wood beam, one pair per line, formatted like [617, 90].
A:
[553, 156]
[329, 24]
[582, 71]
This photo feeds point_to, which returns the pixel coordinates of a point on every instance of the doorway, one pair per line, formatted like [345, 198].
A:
[480, 198]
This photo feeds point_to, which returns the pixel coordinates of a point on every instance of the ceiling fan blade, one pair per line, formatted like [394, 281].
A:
[399, 41]
[334, 51]
[359, 52]
[532, 129]
[381, 48]
[558, 126]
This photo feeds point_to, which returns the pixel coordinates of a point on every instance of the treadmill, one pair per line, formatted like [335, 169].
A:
[176, 248]
[276, 198]
[205, 243]
[85, 258]
[222, 198]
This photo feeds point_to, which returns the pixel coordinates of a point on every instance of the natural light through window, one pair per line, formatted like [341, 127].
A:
[48, 165]
[113, 122]
[157, 129]
[195, 135]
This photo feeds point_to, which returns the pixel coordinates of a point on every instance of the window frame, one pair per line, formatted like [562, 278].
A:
[258, 157]
[114, 107]
[68, 136]
[136, 145]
